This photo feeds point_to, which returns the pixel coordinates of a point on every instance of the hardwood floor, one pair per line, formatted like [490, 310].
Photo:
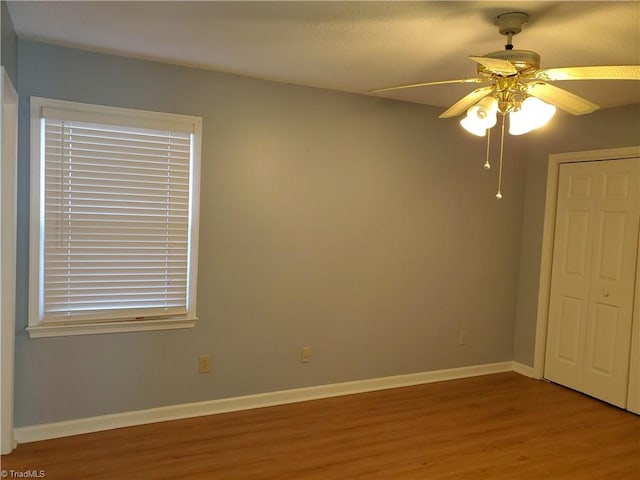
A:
[501, 426]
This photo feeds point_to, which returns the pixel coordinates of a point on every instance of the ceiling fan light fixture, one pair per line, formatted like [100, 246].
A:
[534, 113]
[520, 89]
[474, 127]
[481, 116]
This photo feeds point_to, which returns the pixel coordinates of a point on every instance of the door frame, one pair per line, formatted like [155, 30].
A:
[8, 199]
[544, 285]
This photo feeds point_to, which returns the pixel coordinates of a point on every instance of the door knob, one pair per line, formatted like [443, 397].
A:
[606, 294]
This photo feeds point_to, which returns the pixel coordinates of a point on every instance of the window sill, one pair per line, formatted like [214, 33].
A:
[41, 331]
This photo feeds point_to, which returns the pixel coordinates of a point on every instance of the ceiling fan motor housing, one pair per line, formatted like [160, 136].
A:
[525, 61]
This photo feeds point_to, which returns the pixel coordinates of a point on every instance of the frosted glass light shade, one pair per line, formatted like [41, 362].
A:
[481, 116]
[471, 125]
[534, 113]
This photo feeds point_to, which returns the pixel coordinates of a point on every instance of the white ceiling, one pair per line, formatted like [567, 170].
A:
[348, 46]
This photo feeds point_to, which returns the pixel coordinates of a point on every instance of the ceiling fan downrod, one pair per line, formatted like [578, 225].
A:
[510, 24]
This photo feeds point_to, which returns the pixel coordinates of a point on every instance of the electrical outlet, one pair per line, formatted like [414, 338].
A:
[306, 354]
[462, 337]
[204, 363]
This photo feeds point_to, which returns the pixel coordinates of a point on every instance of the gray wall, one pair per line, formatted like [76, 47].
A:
[8, 43]
[614, 127]
[366, 229]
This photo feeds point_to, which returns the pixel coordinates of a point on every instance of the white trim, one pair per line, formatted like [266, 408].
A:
[92, 113]
[175, 412]
[37, 328]
[633, 393]
[8, 202]
[522, 369]
[194, 209]
[63, 330]
[544, 285]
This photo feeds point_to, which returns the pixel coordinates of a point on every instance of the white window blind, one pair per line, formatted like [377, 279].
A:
[115, 216]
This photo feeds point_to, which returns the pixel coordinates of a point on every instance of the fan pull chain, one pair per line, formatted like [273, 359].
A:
[487, 165]
[499, 194]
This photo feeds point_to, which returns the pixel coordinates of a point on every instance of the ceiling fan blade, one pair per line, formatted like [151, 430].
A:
[467, 101]
[567, 101]
[440, 82]
[496, 65]
[613, 72]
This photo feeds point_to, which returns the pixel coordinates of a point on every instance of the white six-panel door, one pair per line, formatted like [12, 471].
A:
[593, 277]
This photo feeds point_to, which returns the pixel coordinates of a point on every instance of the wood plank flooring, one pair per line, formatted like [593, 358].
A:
[501, 426]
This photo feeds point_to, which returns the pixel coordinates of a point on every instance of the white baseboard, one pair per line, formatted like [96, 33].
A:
[175, 412]
[523, 369]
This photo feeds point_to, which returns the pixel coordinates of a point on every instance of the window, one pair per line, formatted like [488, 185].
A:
[114, 209]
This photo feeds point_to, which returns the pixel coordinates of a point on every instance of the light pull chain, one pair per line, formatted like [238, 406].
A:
[487, 165]
[499, 194]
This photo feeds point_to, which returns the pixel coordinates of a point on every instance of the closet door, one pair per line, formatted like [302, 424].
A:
[593, 277]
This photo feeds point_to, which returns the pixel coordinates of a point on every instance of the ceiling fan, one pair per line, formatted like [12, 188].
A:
[519, 88]
[516, 75]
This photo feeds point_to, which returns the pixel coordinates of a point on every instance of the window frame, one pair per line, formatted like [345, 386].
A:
[37, 327]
